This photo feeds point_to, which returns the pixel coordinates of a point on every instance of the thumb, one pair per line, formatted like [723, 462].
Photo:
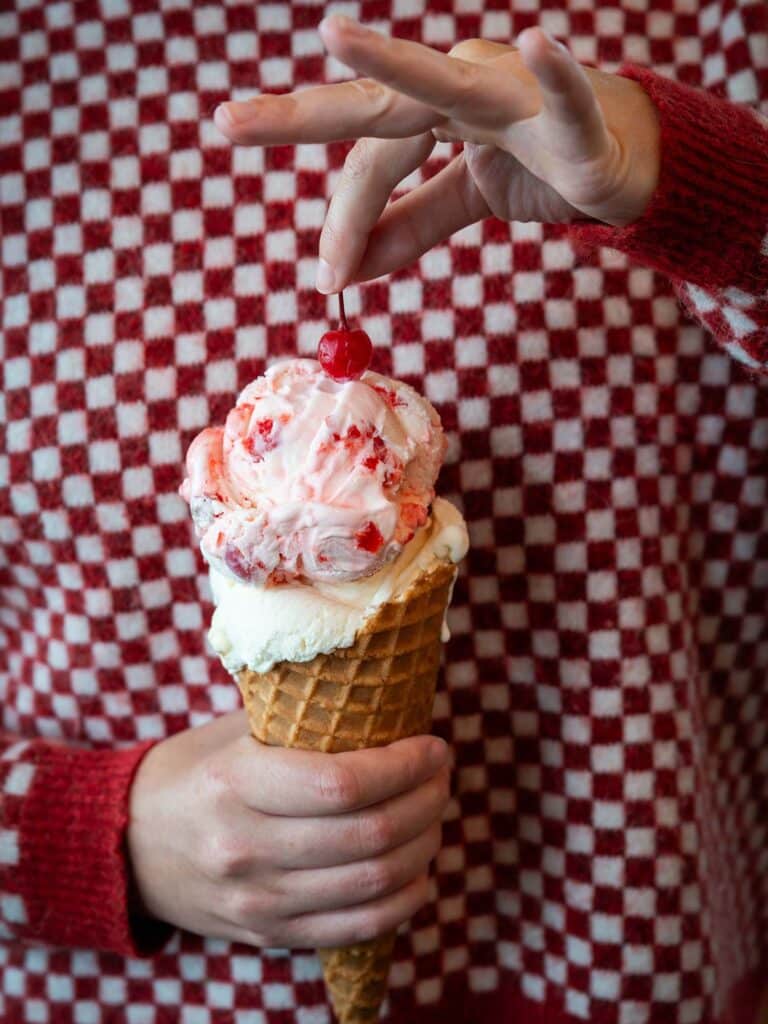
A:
[570, 114]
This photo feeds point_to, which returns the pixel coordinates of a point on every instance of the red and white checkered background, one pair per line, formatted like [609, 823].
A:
[604, 691]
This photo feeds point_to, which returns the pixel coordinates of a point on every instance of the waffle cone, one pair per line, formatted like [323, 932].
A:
[379, 690]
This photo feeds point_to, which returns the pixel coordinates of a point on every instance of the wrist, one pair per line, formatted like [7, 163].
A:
[705, 220]
[646, 149]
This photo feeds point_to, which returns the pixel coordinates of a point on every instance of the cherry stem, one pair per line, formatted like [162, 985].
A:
[342, 314]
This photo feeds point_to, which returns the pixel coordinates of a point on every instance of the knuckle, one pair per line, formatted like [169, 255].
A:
[251, 908]
[332, 236]
[225, 857]
[216, 780]
[359, 160]
[469, 49]
[377, 878]
[409, 762]
[376, 96]
[377, 832]
[339, 786]
[371, 925]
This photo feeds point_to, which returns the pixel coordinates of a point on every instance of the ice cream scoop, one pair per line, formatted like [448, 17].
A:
[313, 479]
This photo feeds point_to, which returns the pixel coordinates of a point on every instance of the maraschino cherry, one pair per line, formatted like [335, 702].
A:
[345, 354]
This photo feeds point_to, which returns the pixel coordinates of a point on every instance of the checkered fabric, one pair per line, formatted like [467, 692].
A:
[605, 856]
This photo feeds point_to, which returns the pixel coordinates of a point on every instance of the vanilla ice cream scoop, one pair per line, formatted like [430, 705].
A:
[313, 479]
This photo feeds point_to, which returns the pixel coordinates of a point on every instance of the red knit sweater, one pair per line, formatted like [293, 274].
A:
[605, 857]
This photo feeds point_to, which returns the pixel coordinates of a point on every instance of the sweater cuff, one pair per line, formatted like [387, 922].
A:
[73, 871]
[709, 214]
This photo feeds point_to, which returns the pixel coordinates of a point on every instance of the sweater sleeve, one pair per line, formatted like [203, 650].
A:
[706, 226]
[64, 876]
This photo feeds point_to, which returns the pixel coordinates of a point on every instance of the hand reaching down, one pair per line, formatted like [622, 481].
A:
[545, 139]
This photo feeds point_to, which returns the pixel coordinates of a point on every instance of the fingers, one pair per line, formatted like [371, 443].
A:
[429, 214]
[364, 922]
[458, 89]
[570, 110]
[325, 113]
[349, 885]
[308, 843]
[371, 171]
[300, 783]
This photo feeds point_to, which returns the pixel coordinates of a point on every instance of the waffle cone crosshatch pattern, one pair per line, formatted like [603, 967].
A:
[603, 690]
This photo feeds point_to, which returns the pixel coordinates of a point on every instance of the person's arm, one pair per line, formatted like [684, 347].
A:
[64, 878]
[706, 226]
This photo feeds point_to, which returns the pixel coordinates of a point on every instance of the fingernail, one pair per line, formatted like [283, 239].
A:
[236, 113]
[350, 27]
[555, 44]
[325, 277]
[437, 752]
[222, 116]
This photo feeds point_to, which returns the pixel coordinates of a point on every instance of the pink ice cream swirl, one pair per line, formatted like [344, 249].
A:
[311, 479]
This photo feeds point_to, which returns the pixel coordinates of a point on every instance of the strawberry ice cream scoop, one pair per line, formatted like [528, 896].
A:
[313, 479]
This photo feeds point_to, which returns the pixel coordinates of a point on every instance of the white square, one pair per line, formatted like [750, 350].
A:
[96, 204]
[219, 314]
[99, 266]
[500, 318]
[528, 286]
[67, 238]
[127, 232]
[438, 325]
[158, 259]
[154, 138]
[72, 428]
[160, 383]
[131, 419]
[249, 219]
[159, 322]
[474, 413]
[218, 192]
[155, 199]
[9, 846]
[441, 386]
[578, 951]
[276, 72]
[37, 154]
[605, 985]
[608, 871]
[186, 164]
[187, 286]
[126, 172]
[536, 406]
[405, 296]
[193, 412]
[103, 457]
[408, 360]
[559, 313]
[280, 246]
[580, 839]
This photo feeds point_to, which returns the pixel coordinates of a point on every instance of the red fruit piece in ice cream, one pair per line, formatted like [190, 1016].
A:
[345, 354]
[260, 440]
[369, 538]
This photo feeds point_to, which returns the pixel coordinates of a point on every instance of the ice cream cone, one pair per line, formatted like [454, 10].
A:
[379, 690]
